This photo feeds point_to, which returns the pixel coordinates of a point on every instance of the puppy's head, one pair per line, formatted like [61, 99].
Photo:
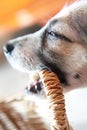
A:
[61, 46]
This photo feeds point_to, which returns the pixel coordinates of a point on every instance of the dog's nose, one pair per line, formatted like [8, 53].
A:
[8, 48]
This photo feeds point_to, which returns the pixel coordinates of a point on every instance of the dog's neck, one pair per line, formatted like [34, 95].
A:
[76, 80]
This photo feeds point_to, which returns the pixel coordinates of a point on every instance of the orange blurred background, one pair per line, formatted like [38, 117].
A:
[17, 14]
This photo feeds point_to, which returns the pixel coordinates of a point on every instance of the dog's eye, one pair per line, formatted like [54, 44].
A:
[52, 34]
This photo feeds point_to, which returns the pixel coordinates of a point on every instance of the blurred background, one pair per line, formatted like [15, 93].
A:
[17, 18]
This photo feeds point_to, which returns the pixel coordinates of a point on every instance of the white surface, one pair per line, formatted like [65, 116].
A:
[12, 82]
[76, 104]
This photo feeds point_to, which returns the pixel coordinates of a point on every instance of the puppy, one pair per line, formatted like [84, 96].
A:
[61, 45]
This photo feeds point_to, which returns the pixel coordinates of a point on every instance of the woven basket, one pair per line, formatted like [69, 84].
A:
[21, 113]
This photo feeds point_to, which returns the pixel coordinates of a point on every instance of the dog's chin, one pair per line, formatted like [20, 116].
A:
[37, 86]
[60, 74]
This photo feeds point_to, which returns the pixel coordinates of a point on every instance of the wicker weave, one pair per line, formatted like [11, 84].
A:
[20, 114]
[56, 100]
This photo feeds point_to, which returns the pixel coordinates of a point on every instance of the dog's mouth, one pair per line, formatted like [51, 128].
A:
[38, 87]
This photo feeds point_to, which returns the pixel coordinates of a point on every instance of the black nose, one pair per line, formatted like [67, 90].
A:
[8, 48]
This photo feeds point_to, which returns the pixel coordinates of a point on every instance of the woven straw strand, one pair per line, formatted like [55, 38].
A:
[56, 100]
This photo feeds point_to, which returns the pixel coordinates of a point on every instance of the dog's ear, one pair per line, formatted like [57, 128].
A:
[81, 20]
[78, 18]
[83, 24]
